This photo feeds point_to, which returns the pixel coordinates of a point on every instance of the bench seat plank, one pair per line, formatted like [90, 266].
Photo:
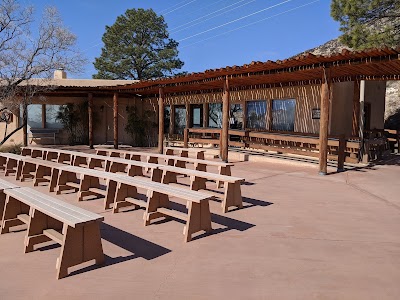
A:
[59, 210]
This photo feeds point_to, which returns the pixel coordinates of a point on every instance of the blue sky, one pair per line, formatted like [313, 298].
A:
[211, 33]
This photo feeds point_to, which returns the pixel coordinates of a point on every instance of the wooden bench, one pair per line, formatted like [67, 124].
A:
[198, 217]
[75, 229]
[10, 163]
[177, 161]
[40, 171]
[232, 191]
[43, 133]
[3, 186]
[184, 152]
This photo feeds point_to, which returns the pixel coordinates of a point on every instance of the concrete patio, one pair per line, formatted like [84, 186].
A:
[299, 236]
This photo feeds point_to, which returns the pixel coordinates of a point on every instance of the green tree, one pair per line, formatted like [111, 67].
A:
[368, 23]
[137, 47]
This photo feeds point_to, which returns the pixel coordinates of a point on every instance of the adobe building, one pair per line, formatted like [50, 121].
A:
[330, 107]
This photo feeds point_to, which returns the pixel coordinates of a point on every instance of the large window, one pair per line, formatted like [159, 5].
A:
[197, 115]
[34, 116]
[256, 114]
[51, 116]
[283, 113]
[167, 118]
[215, 115]
[180, 119]
[236, 116]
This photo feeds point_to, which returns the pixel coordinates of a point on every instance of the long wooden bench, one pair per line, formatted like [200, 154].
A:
[177, 161]
[198, 217]
[3, 186]
[184, 152]
[232, 191]
[10, 163]
[75, 229]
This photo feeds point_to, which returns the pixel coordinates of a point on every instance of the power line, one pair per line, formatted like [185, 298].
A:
[233, 21]
[183, 25]
[171, 7]
[179, 7]
[270, 17]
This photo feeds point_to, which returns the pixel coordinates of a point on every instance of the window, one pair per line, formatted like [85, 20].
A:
[283, 113]
[34, 116]
[51, 116]
[215, 115]
[236, 116]
[180, 119]
[197, 115]
[167, 118]
[256, 114]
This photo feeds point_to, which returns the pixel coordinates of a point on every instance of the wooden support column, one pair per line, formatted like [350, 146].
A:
[172, 120]
[187, 115]
[43, 115]
[269, 115]
[324, 126]
[356, 109]
[90, 112]
[161, 120]
[115, 110]
[364, 151]
[244, 108]
[225, 122]
[205, 115]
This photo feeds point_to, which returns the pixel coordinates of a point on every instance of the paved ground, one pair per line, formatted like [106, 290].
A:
[300, 236]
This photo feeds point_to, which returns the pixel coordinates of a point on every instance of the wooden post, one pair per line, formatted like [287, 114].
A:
[188, 114]
[172, 120]
[244, 108]
[356, 109]
[341, 153]
[205, 115]
[43, 115]
[115, 109]
[225, 122]
[161, 120]
[364, 151]
[324, 126]
[90, 112]
[185, 137]
[269, 115]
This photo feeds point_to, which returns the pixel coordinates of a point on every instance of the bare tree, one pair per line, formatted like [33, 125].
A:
[29, 57]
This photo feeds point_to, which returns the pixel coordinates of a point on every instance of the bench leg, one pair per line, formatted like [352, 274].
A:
[156, 175]
[53, 181]
[122, 192]
[37, 223]
[26, 170]
[86, 183]
[199, 218]
[135, 157]
[10, 167]
[80, 244]
[197, 183]
[154, 201]
[12, 209]
[223, 171]
[110, 194]
[180, 163]
[62, 182]
[151, 160]
[200, 167]
[232, 196]
[169, 177]
[135, 171]
[41, 171]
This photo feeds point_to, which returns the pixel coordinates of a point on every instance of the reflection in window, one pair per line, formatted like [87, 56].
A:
[167, 118]
[51, 116]
[215, 115]
[283, 112]
[256, 113]
[236, 116]
[197, 115]
[180, 119]
[34, 116]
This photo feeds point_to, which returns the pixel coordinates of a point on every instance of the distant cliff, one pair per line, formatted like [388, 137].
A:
[392, 103]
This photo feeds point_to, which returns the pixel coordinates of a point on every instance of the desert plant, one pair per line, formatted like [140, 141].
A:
[141, 128]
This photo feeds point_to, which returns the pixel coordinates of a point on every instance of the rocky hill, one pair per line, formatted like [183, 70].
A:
[392, 104]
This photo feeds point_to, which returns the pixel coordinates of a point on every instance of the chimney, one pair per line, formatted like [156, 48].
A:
[60, 74]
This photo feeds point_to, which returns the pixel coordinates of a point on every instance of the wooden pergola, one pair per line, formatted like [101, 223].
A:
[308, 69]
